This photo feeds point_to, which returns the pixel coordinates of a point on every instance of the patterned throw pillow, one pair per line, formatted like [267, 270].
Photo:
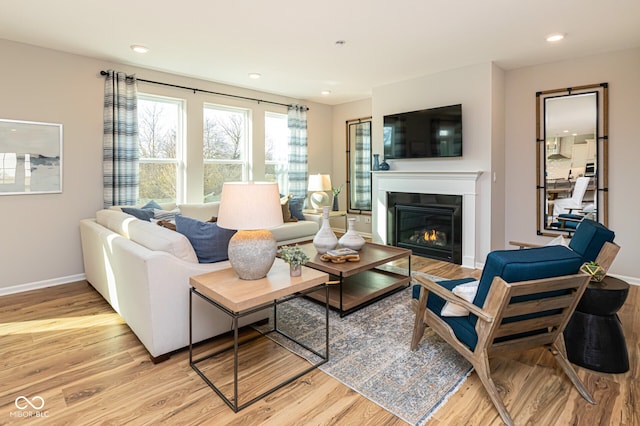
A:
[145, 212]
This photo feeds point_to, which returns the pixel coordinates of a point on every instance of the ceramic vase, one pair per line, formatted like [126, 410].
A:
[351, 239]
[384, 165]
[325, 239]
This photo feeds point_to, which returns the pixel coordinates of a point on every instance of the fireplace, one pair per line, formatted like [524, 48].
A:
[426, 183]
[428, 224]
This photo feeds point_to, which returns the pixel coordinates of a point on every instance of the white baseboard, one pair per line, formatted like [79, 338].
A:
[41, 284]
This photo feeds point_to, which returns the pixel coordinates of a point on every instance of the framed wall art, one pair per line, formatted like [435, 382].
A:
[30, 157]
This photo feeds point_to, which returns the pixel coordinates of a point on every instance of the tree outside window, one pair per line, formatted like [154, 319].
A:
[160, 136]
[225, 146]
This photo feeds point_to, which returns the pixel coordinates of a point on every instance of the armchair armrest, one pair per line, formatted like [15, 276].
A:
[453, 298]
[523, 245]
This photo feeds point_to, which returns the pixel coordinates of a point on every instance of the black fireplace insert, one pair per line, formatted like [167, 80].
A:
[428, 224]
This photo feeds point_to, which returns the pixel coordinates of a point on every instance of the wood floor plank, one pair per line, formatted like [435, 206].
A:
[67, 345]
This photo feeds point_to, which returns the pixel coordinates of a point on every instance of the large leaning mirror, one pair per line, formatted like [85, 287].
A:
[359, 166]
[572, 144]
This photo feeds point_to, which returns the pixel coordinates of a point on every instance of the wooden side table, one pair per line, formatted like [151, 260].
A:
[594, 337]
[238, 298]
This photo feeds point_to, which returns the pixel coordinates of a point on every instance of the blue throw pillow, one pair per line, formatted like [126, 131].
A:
[209, 241]
[143, 213]
[295, 206]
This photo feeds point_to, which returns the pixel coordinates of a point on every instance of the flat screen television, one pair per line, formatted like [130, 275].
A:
[428, 133]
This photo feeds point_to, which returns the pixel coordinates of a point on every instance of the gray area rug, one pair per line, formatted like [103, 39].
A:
[369, 352]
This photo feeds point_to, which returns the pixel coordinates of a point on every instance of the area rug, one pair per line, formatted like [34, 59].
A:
[369, 352]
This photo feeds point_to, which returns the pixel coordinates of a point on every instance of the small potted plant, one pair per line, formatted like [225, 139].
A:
[592, 268]
[295, 257]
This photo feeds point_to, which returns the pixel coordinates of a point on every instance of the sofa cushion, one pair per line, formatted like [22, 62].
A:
[291, 231]
[115, 220]
[200, 211]
[210, 242]
[157, 238]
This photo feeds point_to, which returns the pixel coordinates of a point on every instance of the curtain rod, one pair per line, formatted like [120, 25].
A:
[103, 73]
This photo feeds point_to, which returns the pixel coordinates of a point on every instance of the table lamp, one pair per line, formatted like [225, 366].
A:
[319, 184]
[250, 208]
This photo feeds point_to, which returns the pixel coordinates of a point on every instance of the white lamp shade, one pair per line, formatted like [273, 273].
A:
[319, 183]
[249, 206]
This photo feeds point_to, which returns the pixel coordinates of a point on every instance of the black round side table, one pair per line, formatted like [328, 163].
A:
[593, 336]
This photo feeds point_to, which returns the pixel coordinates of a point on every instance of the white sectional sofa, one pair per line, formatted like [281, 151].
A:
[143, 271]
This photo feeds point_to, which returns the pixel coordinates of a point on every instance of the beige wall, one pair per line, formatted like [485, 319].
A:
[621, 71]
[39, 236]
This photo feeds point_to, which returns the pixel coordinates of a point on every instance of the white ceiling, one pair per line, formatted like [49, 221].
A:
[293, 43]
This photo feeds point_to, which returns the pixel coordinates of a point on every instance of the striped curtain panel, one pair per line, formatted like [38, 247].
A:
[297, 121]
[361, 185]
[120, 150]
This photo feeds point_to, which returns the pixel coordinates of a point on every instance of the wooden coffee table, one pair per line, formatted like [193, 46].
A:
[364, 282]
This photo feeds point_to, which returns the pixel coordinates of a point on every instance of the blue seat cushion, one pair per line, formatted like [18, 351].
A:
[589, 238]
[461, 326]
[523, 265]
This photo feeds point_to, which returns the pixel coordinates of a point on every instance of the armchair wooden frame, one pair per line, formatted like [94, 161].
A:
[490, 327]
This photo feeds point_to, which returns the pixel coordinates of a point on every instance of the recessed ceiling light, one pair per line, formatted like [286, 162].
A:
[138, 48]
[254, 75]
[555, 37]
[325, 92]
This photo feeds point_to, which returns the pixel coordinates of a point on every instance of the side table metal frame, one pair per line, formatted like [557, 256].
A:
[233, 403]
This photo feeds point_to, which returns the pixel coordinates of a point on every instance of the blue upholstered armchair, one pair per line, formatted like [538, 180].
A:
[524, 299]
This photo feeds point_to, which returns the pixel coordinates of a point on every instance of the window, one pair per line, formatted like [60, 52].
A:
[161, 136]
[276, 150]
[225, 148]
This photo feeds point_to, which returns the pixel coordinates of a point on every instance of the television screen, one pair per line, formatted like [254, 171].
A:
[434, 132]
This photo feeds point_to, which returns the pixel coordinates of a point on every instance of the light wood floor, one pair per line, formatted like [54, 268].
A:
[67, 345]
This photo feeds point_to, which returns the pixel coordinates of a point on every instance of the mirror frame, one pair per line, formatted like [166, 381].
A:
[602, 154]
[350, 123]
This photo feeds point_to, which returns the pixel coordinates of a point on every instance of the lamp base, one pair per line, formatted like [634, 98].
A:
[318, 200]
[252, 253]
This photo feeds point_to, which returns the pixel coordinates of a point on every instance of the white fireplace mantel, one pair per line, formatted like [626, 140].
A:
[421, 182]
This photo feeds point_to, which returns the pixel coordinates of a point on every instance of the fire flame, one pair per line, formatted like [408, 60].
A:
[430, 235]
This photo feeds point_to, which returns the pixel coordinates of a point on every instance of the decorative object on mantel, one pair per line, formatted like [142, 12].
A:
[295, 257]
[376, 162]
[384, 165]
[336, 191]
[351, 239]
[595, 270]
[325, 239]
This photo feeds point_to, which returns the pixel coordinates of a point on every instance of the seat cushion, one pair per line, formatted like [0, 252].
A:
[589, 238]
[522, 265]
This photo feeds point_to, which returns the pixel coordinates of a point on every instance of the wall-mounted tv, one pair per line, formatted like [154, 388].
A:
[428, 133]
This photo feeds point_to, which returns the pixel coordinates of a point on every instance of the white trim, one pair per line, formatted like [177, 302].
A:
[20, 288]
[421, 182]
